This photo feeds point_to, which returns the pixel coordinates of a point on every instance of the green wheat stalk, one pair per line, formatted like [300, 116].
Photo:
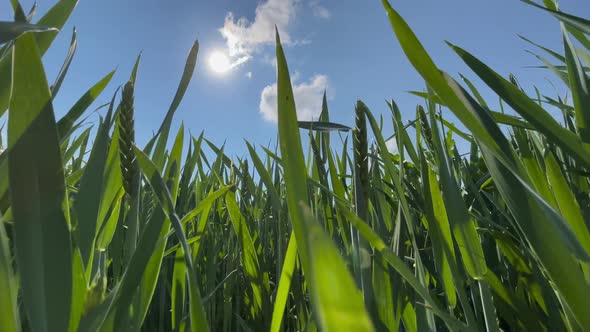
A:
[126, 127]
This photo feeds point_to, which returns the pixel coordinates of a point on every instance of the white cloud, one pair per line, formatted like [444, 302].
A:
[319, 10]
[240, 60]
[392, 146]
[295, 76]
[249, 74]
[270, 60]
[244, 37]
[308, 99]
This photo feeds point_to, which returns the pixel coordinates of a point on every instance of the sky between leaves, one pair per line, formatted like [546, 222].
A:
[344, 47]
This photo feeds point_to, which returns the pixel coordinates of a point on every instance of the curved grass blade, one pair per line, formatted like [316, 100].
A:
[536, 219]
[32, 12]
[554, 54]
[106, 232]
[19, 13]
[402, 132]
[249, 256]
[292, 154]
[223, 158]
[510, 120]
[474, 91]
[66, 65]
[56, 17]
[396, 176]
[579, 23]
[68, 154]
[422, 62]
[79, 291]
[525, 314]
[67, 121]
[568, 205]
[87, 203]
[487, 303]
[391, 169]
[395, 262]
[533, 218]
[499, 117]
[124, 291]
[579, 88]
[527, 108]
[178, 292]
[164, 130]
[553, 222]
[462, 224]
[322, 126]
[559, 71]
[440, 231]
[204, 204]
[336, 301]
[154, 268]
[266, 179]
[172, 172]
[197, 312]
[9, 315]
[280, 301]
[37, 193]
[9, 31]
[135, 69]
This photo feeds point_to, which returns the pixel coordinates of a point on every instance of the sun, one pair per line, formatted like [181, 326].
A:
[219, 62]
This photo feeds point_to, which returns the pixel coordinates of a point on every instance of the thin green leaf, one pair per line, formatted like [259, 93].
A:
[578, 22]
[66, 65]
[90, 194]
[579, 88]
[55, 17]
[568, 205]
[9, 315]
[37, 194]
[249, 256]
[527, 108]
[335, 299]
[428, 70]
[67, 121]
[197, 312]
[280, 301]
[322, 126]
[164, 130]
[11, 30]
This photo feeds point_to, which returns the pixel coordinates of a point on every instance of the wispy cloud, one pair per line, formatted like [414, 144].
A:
[392, 146]
[319, 10]
[270, 59]
[244, 37]
[308, 99]
[235, 62]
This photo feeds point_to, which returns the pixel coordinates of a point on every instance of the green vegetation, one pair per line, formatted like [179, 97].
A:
[97, 234]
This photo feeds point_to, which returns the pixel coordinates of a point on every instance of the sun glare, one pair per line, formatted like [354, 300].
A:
[219, 62]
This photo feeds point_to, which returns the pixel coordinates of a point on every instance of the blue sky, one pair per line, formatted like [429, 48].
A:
[345, 46]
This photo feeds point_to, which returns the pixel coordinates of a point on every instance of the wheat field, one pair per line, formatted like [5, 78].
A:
[99, 234]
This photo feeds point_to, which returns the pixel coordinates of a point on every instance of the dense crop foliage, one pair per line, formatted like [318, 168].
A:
[98, 234]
